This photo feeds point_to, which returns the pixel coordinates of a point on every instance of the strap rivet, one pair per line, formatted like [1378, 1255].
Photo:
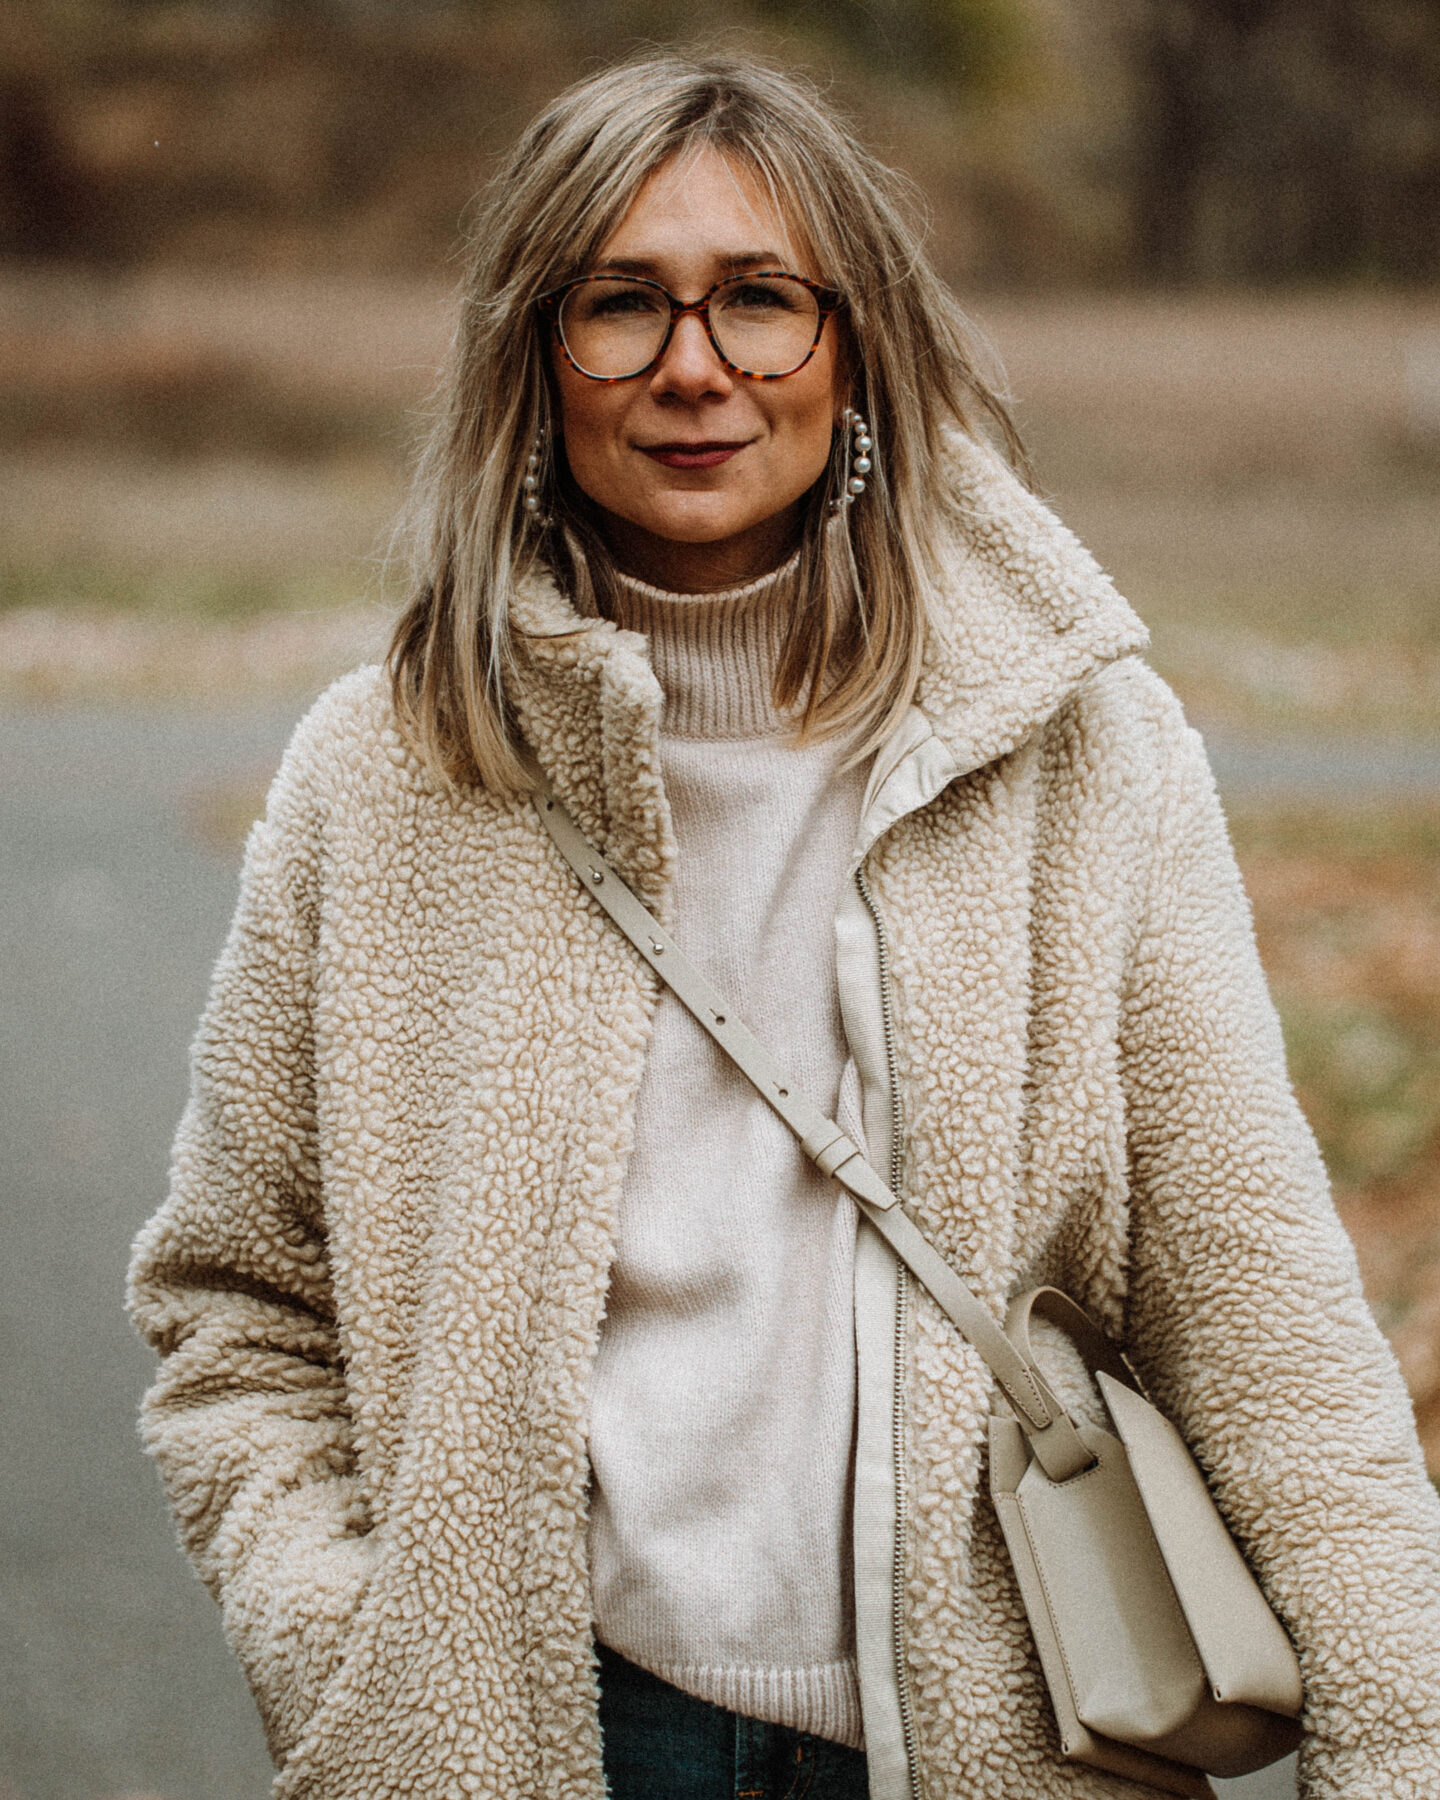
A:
[784, 1093]
[657, 949]
[719, 1018]
[597, 876]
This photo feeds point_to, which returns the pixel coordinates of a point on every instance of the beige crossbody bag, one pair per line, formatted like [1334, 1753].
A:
[1163, 1659]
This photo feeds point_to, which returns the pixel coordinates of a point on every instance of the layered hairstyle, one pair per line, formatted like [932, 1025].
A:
[852, 653]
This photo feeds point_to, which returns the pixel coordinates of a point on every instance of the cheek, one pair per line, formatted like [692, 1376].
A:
[589, 425]
[578, 412]
[815, 405]
[812, 425]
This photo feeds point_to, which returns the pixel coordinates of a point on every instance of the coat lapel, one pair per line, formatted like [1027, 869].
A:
[954, 882]
[1023, 616]
[543, 1017]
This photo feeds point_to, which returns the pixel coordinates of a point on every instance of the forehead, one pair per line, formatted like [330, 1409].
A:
[703, 210]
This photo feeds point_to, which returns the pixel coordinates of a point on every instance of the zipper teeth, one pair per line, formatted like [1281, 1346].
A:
[887, 1014]
[898, 1443]
[902, 1522]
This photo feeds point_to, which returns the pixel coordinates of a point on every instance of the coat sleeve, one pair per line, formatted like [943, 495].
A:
[248, 1417]
[1247, 1317]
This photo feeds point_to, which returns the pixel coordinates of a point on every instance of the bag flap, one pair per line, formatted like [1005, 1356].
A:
[1246, 1654]
[1009, 1459]
[1132, 1666]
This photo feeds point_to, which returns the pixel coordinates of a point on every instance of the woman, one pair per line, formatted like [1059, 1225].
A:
[499, 1319]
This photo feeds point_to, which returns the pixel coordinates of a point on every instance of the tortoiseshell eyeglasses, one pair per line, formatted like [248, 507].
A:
[763, 325]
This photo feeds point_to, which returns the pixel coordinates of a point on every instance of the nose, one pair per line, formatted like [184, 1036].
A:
[690, 369]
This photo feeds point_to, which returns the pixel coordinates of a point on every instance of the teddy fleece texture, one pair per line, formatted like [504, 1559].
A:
[378, 1282]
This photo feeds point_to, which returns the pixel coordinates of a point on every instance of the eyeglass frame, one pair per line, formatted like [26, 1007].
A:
[828, 299]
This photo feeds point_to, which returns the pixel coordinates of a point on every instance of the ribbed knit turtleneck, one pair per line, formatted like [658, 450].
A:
[723, 1394]
[715, 655]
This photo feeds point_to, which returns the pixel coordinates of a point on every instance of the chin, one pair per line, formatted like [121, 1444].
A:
[695, 525]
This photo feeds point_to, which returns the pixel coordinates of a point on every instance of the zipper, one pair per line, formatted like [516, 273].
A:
[898, 1434]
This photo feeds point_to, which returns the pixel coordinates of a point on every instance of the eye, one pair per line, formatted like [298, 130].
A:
[762, 296]
[621, 303]
[604, 300]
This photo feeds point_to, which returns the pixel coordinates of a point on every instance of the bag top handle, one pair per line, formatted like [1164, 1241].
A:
[1097, 1350]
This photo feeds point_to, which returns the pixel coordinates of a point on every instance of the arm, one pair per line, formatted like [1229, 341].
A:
[248, 1417]
[1247, 1318]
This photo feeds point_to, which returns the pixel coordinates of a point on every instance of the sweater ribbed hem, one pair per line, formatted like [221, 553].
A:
[823, 1700]
[715, 655]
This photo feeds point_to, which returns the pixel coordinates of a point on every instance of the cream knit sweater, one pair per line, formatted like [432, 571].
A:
[723, 1396]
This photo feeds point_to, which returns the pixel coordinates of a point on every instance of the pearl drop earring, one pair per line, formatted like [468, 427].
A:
[530, 486]
[858, 445]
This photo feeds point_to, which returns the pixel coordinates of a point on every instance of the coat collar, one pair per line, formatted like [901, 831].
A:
[587, 702]
[1021, 615]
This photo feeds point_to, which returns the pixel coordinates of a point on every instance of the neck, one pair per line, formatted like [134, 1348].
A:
[681, 568]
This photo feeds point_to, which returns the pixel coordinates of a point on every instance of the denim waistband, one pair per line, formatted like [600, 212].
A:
[663, 1744]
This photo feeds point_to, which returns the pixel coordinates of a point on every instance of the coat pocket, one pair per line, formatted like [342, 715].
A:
[290, 1608]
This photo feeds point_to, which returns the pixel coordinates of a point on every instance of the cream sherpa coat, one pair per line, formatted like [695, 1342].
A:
[377, 1284]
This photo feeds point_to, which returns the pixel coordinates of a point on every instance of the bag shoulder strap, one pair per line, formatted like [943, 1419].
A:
[1052, 1434]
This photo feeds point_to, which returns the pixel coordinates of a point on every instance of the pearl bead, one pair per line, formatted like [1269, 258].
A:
[862, 465]
[856, 485]
[864, 442]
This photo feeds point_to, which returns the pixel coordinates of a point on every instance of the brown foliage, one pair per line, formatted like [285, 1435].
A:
[1347, 908]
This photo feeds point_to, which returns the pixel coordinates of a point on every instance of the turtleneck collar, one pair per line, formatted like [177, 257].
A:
[715, 655]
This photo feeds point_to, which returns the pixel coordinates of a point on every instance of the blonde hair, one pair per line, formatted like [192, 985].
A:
[852, 655]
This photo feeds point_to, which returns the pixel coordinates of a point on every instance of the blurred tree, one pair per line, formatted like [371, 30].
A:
[1282, 138]
[306, 131]
[970, 47]
[1055, 139]
[44, 209]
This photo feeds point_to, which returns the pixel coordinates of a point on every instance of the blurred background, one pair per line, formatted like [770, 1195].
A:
[1201, 236]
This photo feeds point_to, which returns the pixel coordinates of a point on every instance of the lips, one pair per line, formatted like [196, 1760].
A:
[691, 456]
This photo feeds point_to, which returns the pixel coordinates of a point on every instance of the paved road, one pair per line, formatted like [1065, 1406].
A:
[113, 1675]
[1321, 769]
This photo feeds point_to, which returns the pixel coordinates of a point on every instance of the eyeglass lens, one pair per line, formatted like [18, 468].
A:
[763, 325]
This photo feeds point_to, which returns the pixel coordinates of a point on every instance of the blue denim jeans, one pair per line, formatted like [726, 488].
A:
[661, 1744]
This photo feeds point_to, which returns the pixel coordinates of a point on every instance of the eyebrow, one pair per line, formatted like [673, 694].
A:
[647, 265]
